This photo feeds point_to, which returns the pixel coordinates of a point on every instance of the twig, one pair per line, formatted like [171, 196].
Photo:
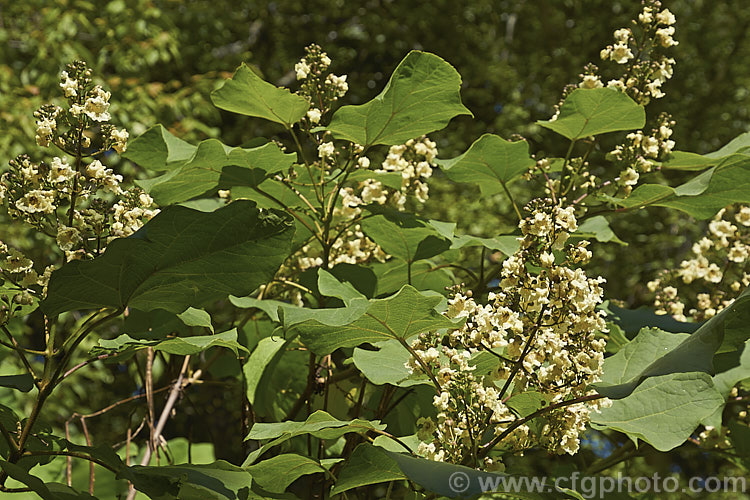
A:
[69, 460]
[174, 393]
[148, 383]
[21, 354]
[84, 363]
[484, 450]
[91, 464]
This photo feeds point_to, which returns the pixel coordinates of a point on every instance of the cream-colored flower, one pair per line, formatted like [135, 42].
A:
[60, 171]
[97, 104]
[314, 115]
[302, 69]
[628, 177]
[743, 216]
[69, 86]
[665, 17]
[37, 201]
[664, 37]
[363, 162]
[119, 140]
[590, 82]
[67, 237]
[326, 150]
[621, 53]
[96, 170]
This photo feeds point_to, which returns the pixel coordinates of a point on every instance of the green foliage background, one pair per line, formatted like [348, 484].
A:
[161, 59]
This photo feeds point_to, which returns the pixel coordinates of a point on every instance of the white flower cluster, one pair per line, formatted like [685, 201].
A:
[46, 124]
[96, 105]
[640, 152]
[99, 175]
[543, 328]
[644, 76]
[321, 91]
[352, 247]
[414, 160]
[59, 197]
[717, 271]
[22, 281]
[130, 213]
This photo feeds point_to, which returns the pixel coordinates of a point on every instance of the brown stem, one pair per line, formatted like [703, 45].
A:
[148, 384]
[484, 450]
[519, 362]
[74, 192]
[84, 363]
[69, 460]
[307, 392]
[91, 465]
[21, 354]
[176, 387]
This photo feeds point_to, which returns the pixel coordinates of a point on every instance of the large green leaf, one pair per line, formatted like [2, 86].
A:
[387, 365]
[215, 165]
[46, 491]
[655, 353]
[372, 464]
[158, 150]
[405, 235]
[320, 425]
[633, 320]
[399, 316]
[277, 473]
[421, 96]
[597, 227]
[329, 286]
[182, 346]
[588, 112]
[702, 196]
[289, 314]
[268, 306]
[265, 353]
[739, 143]
[217, 481]
[367, 465]
[247, 94]
[683, 160]
[181, 258]
[650, 345]
[491, 162]
[663, 411]
[196, 317]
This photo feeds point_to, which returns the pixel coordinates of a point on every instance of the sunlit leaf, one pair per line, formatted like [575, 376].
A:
[491, 162]
[588, 112]
[247, 94]
[421, 97]
[181, 258]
